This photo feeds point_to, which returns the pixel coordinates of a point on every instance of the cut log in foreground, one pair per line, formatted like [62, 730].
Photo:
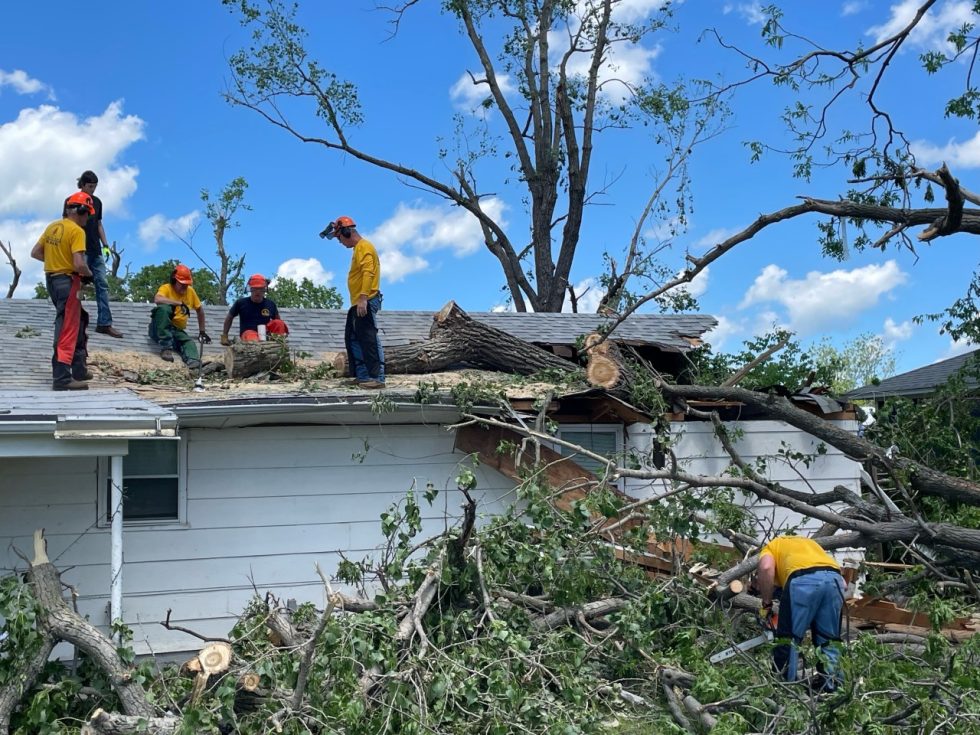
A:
[455, 338]
[244, 359]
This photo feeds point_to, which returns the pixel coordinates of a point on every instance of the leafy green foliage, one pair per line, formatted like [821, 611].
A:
[306, 295]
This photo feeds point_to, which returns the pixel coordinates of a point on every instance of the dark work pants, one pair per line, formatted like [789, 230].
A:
[365, 355]
[70, 324]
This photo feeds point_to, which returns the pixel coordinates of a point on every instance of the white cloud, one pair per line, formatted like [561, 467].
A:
[751, 12]
[22, 83]
[932, 30]
[159, 227]
[824, 300]
[469, 96]
[396, 265]
[43, 151]
[297, 269]
[698, 286]
[958, 155]
[725, 331]
[427, 228]
[957, 347]
[21, 235]
[894, 333]
[714, 237]
[589, 293]
[853, 7]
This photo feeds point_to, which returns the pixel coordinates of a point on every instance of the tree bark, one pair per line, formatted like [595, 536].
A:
[11, 694]
[455, 338]
[62, 623]
[109, 723]
[921, 478]
[244, 359]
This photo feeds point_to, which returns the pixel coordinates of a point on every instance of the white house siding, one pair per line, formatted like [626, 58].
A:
[263, 505]
[700, 452]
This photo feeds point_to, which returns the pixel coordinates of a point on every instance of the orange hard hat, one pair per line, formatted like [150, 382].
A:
[343, 222]
[257, 280]
[80, 199]
[182, 274]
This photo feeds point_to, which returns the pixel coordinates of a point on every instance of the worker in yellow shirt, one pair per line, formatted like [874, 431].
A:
[811, 598]
[364, 351]
[168, 320]
[62, 249]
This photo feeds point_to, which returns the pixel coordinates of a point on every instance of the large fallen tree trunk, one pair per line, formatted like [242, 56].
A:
[920, 478]
[455, 339]
[244, 359]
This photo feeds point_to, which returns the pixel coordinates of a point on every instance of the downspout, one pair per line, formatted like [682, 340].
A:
[116, 514]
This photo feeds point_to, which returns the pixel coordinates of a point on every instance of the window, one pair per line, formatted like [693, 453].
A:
[151, 482]
[602, 440]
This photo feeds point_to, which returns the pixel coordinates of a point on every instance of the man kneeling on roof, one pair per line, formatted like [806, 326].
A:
[168, 320]
[254, 311]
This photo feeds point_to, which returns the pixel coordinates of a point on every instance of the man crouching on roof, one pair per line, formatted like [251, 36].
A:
[168, 320]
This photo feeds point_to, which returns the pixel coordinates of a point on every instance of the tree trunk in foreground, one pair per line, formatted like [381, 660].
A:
[244, 359]
[455, 338]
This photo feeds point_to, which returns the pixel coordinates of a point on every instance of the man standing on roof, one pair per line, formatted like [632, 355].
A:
[252, 311]
[62, 249]
[168, 320]
[812, 595]
[96, 244]
[364, 351]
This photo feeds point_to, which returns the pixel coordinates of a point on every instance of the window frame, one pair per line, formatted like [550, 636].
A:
[104, 475]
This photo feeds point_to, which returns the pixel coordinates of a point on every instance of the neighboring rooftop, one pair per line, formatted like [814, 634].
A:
[919, 382]
[26, 335]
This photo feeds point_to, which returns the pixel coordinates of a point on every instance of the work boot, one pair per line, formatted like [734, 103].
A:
[110, 330]
[193, 364]
[87, 375]
[70, 385]
[373, 384]
[167, 355]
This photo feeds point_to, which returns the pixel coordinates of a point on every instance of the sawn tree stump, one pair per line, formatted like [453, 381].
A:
[244, 359]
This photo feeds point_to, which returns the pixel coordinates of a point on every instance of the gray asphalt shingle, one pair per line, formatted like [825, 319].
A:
[25, 359]
[920, 381]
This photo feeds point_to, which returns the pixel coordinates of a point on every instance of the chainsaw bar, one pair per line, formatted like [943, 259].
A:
[743, 646]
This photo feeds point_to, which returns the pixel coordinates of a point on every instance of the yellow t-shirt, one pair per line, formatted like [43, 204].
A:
[61, 239]
[365, 271]
[793, 553]
[189, 299]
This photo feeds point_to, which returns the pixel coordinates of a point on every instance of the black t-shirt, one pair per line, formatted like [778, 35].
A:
[251, 315]
[93, 246]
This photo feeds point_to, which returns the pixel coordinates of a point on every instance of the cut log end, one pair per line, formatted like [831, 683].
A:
[249, 681]
[215, 658]
[40, 548]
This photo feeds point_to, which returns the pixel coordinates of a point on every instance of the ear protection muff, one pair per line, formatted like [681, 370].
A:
[346, 231]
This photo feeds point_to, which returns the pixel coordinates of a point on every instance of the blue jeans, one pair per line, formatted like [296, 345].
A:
[364, 351]
[813, 602]
[96, 264]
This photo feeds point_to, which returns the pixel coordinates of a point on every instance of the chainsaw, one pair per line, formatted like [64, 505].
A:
[765, 637]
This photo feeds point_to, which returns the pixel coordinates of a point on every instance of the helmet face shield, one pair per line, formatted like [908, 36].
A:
[329, 232]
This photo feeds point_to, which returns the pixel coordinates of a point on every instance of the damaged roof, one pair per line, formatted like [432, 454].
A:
[26, 333]
[919, 382]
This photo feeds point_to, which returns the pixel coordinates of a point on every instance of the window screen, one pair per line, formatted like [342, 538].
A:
[598, 442]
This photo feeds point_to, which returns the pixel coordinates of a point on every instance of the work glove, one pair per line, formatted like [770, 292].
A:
[765, 615]
[203, 337]
[224, 340]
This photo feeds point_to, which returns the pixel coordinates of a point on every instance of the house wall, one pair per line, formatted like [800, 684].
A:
[702, 453]
[263, 505]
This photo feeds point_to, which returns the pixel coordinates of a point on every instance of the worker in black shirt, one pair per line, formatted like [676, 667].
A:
[253, 311]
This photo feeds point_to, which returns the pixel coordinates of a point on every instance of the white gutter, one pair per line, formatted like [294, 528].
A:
[116, 506]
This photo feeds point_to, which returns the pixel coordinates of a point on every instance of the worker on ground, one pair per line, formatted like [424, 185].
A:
[812, 595]
[62, 249]
[253, 311]
[168, 320]
[364, 351]
[96, 247]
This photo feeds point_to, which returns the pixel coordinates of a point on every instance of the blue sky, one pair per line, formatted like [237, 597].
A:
[134, 91]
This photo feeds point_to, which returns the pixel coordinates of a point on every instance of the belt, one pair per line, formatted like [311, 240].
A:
[811, 570]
